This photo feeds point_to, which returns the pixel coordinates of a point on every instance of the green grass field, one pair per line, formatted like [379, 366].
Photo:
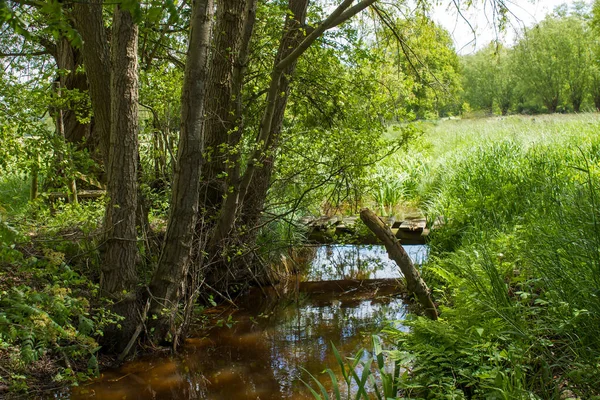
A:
[516, 268]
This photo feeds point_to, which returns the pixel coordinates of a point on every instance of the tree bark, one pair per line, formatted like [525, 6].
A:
[256, 195]
[119, 276]
[220, 116]
[89, 23]
[250, 187]
[225, 134]
[396, 252]
[168, 282]
[69, 58]
[217, 271]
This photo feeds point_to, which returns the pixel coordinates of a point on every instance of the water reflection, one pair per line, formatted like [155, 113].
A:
[259, 357]
[359, 262]
[270, 340]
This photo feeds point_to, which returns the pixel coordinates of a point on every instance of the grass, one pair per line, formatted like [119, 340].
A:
[516, 264]
[516, 268]
[14, 194]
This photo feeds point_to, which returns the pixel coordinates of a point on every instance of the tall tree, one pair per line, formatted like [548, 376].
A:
[578, 58]
[489, 78]
[168, 283]
[541, 61]
[220, 123]
[119, 276]
[89, 22]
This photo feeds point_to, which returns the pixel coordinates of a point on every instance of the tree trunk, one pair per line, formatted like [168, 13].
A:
[290, 50]
[226, 134]
[396, 252]
[577, 104]
[220, 116]
[69, 58]
[552, 105]
[119, 276]
[96, 57]
[60, 130]
[168, 281]
[216, 272]
[256, 196]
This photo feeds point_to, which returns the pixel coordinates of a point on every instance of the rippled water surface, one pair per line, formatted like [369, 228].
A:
[348, 293]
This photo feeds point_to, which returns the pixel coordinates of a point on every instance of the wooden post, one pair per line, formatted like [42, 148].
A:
[396, 252]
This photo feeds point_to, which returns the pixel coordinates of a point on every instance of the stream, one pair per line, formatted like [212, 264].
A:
[258, 350]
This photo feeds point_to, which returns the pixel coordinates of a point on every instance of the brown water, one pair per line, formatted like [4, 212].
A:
[263, 345]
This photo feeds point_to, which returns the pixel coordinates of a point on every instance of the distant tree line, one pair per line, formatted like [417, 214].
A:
[553, 67]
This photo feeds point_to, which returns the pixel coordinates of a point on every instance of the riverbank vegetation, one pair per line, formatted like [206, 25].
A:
[157, 158]
[514, 267]
[516, 263]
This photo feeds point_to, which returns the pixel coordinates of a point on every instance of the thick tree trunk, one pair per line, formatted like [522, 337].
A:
[226, 133]
[119, 276]
[168, 281]
[396, 252]
[96, 56]
[220, 116]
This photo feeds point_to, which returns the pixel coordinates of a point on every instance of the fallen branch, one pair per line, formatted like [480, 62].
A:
[414, 283]
[135, 335]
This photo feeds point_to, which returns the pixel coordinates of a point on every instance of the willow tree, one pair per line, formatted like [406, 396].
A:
[543, 61]
[231, 185]
[237, 192]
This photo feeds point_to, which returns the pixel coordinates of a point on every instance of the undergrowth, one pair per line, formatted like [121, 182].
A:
[51, 315]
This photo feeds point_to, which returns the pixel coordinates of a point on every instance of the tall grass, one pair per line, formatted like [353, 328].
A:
[518, 259]
[516, 267]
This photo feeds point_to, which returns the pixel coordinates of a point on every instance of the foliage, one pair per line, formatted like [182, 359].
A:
[552, 67]
[48, 310]
[50, 313]
[417, 68]
[363, 375]
[489, 79]
[515, 265]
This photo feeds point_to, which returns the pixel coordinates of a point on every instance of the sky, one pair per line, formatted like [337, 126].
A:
[524, 13]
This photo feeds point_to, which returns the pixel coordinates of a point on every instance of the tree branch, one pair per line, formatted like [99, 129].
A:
[25, 54]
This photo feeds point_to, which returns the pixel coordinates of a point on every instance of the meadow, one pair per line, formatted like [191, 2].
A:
[515, 269]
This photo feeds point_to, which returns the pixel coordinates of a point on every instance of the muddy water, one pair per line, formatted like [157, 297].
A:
[259, 350]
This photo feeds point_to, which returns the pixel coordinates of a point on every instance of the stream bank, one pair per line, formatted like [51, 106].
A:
[258, 350]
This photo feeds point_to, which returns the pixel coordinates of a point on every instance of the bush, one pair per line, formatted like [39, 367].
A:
[45, 310]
